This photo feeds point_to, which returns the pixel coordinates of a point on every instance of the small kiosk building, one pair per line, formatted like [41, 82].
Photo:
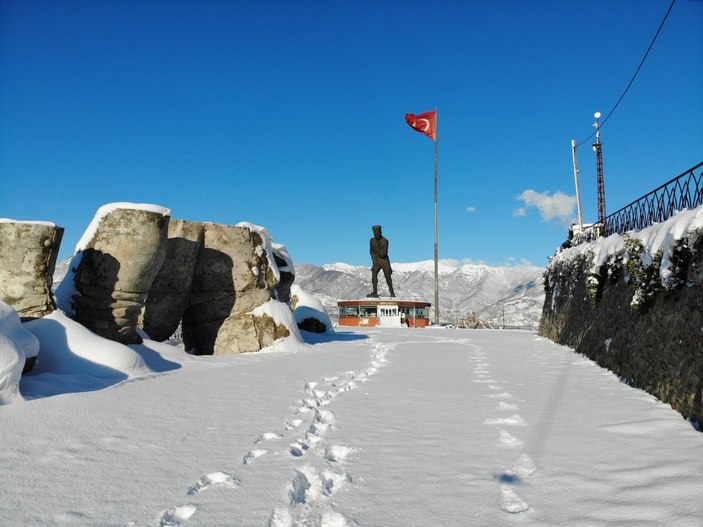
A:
[386, 312]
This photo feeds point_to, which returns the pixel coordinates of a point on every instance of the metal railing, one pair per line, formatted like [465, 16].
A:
[685, 191]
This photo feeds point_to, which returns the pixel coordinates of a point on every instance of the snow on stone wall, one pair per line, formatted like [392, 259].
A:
[634, 304]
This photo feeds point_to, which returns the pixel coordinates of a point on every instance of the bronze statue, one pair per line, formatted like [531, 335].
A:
[380, 261]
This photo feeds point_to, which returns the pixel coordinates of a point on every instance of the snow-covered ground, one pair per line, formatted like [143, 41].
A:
[380, 427]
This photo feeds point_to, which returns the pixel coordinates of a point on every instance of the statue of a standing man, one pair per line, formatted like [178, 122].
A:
[380, 261]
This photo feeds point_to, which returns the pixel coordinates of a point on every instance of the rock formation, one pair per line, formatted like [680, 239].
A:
[227, 285]
[29, 252]
[234, 275]
[309, 313]
[169, 293]
[113, 270]
[286, 271]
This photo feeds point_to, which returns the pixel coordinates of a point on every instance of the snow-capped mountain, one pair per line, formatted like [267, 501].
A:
[490, 293]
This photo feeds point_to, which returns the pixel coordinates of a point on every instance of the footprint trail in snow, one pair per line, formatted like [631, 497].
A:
[306, 498]
[523, 468]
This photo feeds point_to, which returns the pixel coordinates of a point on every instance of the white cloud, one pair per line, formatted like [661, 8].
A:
[515, 263]
[559, 206]
[449, 262]
[471, 261]
[471, 209]
[520, 212]
[510, 262]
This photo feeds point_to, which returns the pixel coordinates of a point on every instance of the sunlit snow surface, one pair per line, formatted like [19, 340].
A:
[371, 428]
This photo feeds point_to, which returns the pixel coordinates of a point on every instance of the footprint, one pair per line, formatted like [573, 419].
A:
[348, 386]
[214, 479]
[332, 481]
[325, 416]
[299, 448]
[510, 501]
[524, 467]
[306, 487]
[280, 517]
[310, 403]
[504, 395]
[253, 454]
[174, 516]
[316, 432]
[293, 423]
[268, 436]
[337, 453]
[303, 410]
[322, 394]
[309, 486]
[508, 440]
[332, 519]
[512, 420]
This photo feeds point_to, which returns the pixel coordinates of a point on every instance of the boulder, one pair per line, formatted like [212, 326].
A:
[114, 268]
[308, 311]
[168, 296]
[286, 271]
[234, 275]
[29, 251]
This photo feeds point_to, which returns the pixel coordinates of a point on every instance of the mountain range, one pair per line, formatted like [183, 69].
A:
[510, 296]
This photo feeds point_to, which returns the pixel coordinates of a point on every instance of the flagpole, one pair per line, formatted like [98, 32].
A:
[436, 246]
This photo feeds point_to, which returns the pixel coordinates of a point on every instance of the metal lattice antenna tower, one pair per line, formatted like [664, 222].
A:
[598, 148]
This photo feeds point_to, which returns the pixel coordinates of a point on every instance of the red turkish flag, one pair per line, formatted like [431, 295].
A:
[425, 123]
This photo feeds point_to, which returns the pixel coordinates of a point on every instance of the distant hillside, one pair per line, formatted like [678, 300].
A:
[479, 289]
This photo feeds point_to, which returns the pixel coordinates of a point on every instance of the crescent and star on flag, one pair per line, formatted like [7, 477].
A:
[425, 123]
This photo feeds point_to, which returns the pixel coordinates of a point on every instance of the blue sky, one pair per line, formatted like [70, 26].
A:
[290, 115]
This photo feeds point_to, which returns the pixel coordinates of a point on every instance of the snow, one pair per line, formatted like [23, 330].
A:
[443, 267]
[282, 316]
[658, 237]
[107, 209]
[268, 245]
[16, 345]
[282, 251]
[364, 427]
[308, 306]
[68, 348]
[43, 223]
[66, 291]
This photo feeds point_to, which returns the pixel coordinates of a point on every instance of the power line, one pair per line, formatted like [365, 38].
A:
[636, 72]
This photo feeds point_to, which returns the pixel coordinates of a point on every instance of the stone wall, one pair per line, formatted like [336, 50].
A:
[622, 315]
